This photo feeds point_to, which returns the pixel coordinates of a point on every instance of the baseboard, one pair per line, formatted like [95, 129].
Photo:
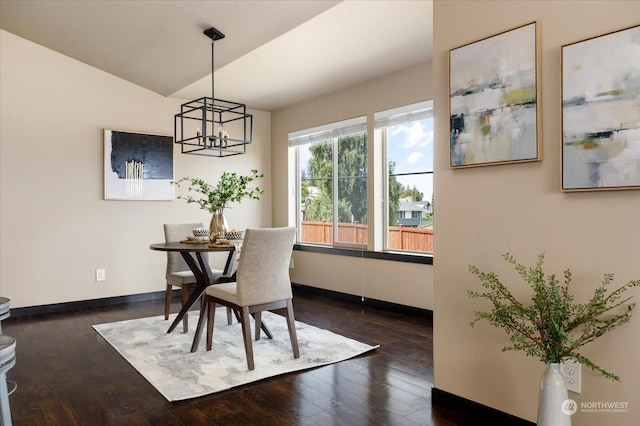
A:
[366, 302]
[84, 304]
[482, 414]
[118, 300]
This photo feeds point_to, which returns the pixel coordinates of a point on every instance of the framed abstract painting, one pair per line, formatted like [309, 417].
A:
[601, 112]
[138, 166]
[494, 100]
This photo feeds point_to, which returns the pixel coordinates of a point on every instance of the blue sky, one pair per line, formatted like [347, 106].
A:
[410, 145]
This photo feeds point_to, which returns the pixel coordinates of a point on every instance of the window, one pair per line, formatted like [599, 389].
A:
[407, 136]
[331, 183]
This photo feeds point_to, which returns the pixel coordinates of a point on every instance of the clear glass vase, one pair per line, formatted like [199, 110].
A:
[218, 226]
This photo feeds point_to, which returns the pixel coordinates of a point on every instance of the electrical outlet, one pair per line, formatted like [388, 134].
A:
[100, 275]
[571, 372]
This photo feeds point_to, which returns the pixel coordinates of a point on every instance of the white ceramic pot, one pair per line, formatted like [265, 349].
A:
[553, 394]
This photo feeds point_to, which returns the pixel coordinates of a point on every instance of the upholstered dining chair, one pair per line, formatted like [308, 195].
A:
[262, 283]
[178, 273]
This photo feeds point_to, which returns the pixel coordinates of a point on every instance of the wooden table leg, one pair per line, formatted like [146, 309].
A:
[202, 279]
[196, 337]
[197, 292]
[264, 328]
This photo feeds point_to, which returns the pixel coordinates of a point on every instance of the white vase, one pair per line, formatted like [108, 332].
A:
[553, 394]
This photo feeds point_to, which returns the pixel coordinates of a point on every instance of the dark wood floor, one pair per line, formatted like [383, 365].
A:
[68, 375]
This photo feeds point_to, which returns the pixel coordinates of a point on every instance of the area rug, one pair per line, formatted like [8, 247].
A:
[165, 360]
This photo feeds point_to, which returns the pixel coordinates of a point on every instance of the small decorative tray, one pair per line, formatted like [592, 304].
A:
[192, 241]
[218, 244]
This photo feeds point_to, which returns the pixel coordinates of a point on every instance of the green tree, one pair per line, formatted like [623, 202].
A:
[352, 159]
[319, 175]
[411, 192]
[304, 190]
[395, 189]
[321, 165]
[320, 209]
[352, 175]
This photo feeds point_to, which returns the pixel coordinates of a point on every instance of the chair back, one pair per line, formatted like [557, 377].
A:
[175, 233]
[263, 270]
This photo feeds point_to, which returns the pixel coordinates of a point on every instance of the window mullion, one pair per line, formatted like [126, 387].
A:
[298, 194]
[385, 203]
[334, 186]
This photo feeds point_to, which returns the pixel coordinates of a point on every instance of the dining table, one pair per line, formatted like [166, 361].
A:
[193, 255]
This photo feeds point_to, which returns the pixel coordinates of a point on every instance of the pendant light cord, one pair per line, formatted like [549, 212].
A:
[212, 79]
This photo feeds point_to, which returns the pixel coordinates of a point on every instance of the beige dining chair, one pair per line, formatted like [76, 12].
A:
[178, 272]
[262, 283]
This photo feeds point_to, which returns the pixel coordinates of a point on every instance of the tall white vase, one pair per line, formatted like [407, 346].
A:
[553, 393]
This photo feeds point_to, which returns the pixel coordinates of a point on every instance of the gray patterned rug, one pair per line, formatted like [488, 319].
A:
[166, 362]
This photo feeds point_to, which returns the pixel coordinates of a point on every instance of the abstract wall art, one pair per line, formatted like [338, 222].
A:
[601, 112]
[494, 94]
[138, 166]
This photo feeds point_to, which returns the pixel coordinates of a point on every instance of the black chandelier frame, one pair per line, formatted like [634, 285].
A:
[208, 135]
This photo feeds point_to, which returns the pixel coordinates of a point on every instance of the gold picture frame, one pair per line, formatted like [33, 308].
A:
[601, 112]
[494, 99]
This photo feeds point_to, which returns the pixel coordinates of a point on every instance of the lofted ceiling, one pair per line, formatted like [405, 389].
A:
[275, 53]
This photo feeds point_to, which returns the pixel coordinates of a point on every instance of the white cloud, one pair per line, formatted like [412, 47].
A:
[414, 135]
[414, 157]
[428, 139]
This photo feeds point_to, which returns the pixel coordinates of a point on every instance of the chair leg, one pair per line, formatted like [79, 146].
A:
[258, 324]
[184, 290]
[291, 324]
[246, 335]
[229, 318]
[167, 301]
[211, 315]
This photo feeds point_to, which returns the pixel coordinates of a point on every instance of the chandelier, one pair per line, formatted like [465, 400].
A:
[210, 126]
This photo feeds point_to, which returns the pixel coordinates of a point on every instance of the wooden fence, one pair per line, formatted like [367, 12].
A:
[400, 237]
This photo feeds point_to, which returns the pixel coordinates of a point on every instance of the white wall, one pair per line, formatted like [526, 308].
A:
[484, 212]
[55, 227]
[397, 282]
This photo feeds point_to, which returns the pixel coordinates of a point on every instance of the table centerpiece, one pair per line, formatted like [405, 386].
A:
[230, 188]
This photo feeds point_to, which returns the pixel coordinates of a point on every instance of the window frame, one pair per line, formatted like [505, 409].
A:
[333, 131]
[377, 184]
[382, 121]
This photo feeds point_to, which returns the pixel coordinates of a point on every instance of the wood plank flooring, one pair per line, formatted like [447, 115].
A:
[68, 375]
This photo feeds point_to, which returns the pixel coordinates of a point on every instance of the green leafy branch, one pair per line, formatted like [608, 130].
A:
[552, 327]
[231, 188]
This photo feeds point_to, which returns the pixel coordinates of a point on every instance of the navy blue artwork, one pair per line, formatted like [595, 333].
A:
[154, 151]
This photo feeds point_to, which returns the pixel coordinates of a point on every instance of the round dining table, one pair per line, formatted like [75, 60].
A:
[192, 253]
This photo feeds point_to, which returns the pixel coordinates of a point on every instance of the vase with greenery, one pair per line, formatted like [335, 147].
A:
[551, 325]
[231, 188]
